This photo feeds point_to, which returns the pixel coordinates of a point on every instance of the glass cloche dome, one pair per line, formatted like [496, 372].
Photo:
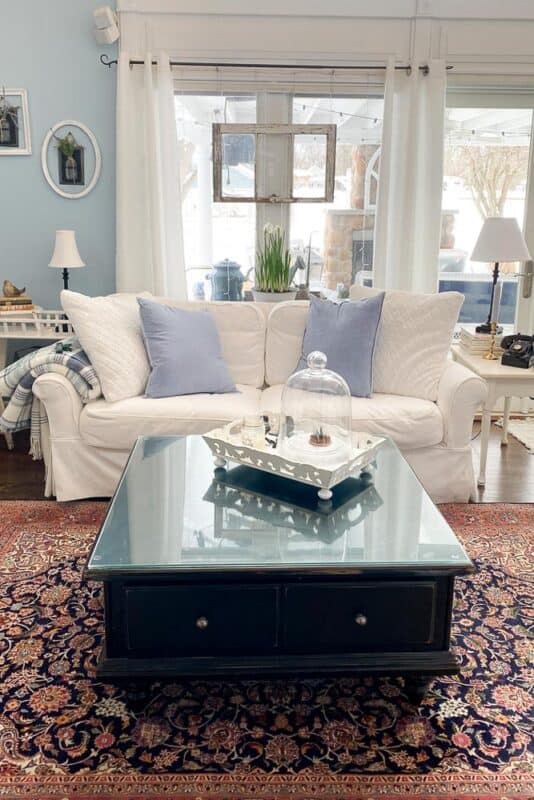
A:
[315, 421]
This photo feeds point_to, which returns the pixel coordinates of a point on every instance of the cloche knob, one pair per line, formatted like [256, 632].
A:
[316, 360]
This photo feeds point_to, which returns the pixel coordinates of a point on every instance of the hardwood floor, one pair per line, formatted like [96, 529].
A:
[509, 470]
[21, 478]
[509, 477]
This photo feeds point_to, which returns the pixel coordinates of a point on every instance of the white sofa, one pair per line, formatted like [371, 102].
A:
[87, 446]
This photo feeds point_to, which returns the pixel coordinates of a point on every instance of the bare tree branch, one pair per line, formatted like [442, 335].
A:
[490, 172]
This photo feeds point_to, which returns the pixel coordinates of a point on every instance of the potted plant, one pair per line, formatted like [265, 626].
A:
[67, 147]
[274, 273]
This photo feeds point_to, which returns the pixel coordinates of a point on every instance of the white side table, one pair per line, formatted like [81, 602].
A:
[49, 326]
[502, 381]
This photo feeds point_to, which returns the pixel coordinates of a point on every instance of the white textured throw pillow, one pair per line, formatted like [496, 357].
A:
[413, 340]
[109, 330]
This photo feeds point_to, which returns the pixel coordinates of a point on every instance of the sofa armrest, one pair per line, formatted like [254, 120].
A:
[460, 395]
[62, 404]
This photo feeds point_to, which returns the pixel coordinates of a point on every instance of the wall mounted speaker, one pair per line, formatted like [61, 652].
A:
[106, 26]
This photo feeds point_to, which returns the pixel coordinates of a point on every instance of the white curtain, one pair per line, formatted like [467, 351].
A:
[408, 218]
[150, 253]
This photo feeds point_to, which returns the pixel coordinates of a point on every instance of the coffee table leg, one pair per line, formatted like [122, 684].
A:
[136, 692]
[505, 419]
[416, 687]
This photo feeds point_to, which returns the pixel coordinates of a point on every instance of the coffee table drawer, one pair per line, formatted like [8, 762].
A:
[176, 620]
[361, 617]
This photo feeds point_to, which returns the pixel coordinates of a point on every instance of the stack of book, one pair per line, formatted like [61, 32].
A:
[478, 344]
[16, 305]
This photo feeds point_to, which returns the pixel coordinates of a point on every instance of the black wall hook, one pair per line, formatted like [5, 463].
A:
[106, 61]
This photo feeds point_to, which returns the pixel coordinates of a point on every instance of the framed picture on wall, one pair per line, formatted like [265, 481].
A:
[15, 139]
[71, 159]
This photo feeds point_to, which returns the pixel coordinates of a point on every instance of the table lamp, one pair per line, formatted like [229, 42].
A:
[500, 239]
[66, 255]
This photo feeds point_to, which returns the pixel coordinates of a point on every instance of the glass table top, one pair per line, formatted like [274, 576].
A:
[174, 512]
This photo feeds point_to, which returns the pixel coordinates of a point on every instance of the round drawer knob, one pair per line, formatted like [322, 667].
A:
[360, 619]
[202, 623]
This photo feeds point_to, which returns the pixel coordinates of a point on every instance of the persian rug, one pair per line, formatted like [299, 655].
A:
[66, 734]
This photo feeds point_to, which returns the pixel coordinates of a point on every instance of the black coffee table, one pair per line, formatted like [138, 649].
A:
[234, 572]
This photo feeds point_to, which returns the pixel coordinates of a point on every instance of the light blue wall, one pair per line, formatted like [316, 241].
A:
[48, 48]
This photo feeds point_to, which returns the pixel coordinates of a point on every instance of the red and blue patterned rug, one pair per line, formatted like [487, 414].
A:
[65, 734]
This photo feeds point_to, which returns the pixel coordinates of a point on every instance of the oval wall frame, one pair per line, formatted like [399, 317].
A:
[89, 138]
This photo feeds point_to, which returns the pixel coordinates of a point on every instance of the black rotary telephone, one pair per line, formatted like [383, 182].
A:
[518, 350]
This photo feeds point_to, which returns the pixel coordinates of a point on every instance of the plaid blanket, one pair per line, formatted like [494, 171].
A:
[16, 384]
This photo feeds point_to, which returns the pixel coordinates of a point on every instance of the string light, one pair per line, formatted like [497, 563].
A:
[488, 132]
[454, 133]
[376, 121]
[340, 114]
[303, 107]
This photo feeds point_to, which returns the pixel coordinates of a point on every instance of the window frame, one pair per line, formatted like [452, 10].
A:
[287, 172]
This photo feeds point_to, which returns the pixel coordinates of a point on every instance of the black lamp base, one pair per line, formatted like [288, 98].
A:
[65, 276]
[485, 327]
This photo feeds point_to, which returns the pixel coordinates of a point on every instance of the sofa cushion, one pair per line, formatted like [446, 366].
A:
[414, 337]
[410, 422]
[184, 351]
[109, 330]
[283, 346]
[345, 332]
[117, 425]
[241, 328]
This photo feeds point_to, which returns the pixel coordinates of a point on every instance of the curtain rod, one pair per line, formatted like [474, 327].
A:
[139, 62]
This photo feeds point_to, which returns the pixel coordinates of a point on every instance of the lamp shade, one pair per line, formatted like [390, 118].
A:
[500, 239]
[66, 255]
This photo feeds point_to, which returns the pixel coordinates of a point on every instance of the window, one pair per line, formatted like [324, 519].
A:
[213, 231]
[335, 240]
[485, 174]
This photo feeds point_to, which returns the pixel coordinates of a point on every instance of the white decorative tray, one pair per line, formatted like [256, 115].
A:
[225, 444]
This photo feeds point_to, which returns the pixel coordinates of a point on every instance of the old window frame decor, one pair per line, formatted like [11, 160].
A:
[17, 104]
[270, 129]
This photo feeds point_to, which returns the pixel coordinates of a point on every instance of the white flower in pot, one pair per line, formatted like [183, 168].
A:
[273, 274]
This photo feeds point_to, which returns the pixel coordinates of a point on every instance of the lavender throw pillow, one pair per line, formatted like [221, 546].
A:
[184, 352]
[346, 333]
